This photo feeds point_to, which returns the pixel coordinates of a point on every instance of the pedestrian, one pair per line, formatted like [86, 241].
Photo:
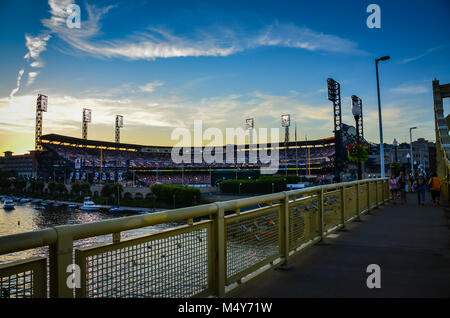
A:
[435, 189]
[393, 187]
[420, 190]
[402, 187]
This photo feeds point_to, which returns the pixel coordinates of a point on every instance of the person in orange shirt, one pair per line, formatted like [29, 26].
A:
[435, 189]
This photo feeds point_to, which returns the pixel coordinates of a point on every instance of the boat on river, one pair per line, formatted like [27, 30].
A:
[9, 204]
[89, 205]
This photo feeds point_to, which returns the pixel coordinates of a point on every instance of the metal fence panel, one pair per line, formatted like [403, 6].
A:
[332, 209]
[303, 225]
[24, 279]
[172, 263]
[252, 240]
[351, 202]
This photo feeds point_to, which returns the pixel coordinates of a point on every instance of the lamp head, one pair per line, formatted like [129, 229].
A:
[384, 58]
[356, 106]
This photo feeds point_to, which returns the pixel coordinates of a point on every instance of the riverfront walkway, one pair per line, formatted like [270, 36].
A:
[410, 243]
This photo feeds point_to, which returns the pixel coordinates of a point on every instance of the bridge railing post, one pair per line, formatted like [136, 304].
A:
[321, 212]
[343, 207]
[284, 229]
[61, 261]
[376, 194]
[358, 201]
[218, 251]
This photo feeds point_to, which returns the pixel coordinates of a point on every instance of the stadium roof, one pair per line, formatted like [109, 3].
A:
[72, 141]
[60, 139]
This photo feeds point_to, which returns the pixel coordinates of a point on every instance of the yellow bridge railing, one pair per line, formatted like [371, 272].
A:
[442, 136]
[212, 248]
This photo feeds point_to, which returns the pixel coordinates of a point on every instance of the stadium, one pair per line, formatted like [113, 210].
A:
[68, 159]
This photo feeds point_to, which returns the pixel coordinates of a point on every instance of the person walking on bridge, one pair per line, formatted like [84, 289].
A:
[435, 189]
[393, 187]
[419, 186]
[402, 187]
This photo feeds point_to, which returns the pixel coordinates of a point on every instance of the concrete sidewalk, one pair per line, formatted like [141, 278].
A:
[410, 243]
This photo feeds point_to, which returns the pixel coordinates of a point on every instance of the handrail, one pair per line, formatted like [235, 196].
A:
[27, 240]
[217, 237]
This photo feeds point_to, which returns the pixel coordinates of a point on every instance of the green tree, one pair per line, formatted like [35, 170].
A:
[111, 190]
[52, 187]
[37, 186]
[75, 189]
[61, 188]
[19, 184]
[85, 189]
[5, 184]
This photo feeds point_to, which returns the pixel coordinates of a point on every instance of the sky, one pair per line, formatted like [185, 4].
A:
[164, 64]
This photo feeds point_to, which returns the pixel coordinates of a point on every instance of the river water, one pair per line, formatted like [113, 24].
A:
[25, 218]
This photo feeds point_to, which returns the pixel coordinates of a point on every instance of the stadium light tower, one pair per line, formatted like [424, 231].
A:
[41, 106]
[119, 124]
[357, 113]
[286, 122]
[250, 125]
[87, 116]
[334, 95]
[384, 58]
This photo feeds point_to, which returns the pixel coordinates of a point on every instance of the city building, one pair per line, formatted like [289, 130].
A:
[25, 165]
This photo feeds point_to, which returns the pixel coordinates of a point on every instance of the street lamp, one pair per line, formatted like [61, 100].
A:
[408, 156]
[384, 58]
[411, 149]
[395, 143]
[357, 112]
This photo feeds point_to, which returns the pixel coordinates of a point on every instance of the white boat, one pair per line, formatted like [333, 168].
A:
[116, 209]
[8, 205]
[25, 200]
[89, 205]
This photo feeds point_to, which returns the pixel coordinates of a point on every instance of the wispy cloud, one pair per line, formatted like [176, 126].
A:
[150, 87]
[429, 51]
[32, 77]
[35, 45]
[160, 43]
[15, 90]
[410, 89]
[292, 36]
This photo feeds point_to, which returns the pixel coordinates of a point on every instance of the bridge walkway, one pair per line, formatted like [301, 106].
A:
[410, 243]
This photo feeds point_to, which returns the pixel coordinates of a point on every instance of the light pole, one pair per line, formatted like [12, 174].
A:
[356, 111]
[408, 156]
[395, 143]
[286, 122]
[411, 149]
[384, 58]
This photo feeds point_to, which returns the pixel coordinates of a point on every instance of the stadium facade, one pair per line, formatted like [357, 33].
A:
[68, 159]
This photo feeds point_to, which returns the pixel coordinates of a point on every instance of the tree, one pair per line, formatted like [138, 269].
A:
[61, 188]
[85, 189]
[109, 190]
[19, 184]
[37, 186]
[75, 188]
[5, 184]
[52, 187]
